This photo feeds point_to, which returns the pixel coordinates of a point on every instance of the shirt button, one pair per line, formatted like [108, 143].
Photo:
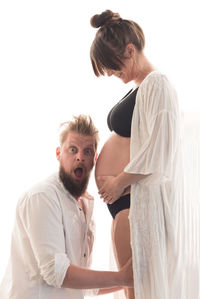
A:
[84, 255]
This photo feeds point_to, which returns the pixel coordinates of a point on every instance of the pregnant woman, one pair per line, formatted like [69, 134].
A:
[138, 172]
[113, 158]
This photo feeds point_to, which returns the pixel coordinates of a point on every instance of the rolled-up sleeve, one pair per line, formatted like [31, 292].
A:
[41, 217]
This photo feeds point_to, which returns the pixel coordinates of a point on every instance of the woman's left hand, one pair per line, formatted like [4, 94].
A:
[111, 190]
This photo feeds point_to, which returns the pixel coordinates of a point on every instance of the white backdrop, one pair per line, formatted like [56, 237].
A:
[46, 78]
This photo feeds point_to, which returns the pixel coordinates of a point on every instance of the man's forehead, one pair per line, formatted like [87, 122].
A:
[79, 139]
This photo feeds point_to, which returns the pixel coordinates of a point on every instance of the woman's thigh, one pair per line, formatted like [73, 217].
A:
[121, 243]
[121, 238]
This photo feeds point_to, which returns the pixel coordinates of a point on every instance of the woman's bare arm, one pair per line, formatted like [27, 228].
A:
[114, 187]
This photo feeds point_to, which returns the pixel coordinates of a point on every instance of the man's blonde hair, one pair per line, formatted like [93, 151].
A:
[81, 124]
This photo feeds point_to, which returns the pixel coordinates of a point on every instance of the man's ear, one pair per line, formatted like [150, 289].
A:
[58, 153]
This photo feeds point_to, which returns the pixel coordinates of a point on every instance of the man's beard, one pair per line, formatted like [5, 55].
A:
[76, 188]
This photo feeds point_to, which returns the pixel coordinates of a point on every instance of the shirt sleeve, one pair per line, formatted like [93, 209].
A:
[41, 217]
[154, 133]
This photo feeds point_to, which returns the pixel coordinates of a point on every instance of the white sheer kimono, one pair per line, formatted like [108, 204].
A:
[157, 213]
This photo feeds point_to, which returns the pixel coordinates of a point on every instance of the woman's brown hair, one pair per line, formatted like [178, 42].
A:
[114, 33]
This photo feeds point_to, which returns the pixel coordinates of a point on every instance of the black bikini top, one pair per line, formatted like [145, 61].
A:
[120, 116]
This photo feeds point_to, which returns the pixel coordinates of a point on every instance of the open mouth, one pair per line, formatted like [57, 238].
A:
[78, 172]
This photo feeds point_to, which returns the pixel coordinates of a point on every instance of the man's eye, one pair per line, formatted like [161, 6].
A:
[88, 151]
[72, 150]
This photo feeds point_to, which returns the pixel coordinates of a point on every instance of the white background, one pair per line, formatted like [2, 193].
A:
[46, 77]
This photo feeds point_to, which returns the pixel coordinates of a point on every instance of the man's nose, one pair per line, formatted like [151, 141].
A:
[80, 157]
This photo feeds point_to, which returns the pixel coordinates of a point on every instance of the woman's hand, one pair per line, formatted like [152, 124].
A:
[111, 189]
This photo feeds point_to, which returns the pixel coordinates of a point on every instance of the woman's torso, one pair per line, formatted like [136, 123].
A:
[115, 155]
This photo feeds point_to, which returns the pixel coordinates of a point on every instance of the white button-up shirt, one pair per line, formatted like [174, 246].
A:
[51, 232]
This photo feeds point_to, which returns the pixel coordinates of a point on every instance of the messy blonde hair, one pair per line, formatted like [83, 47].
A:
[81, 124]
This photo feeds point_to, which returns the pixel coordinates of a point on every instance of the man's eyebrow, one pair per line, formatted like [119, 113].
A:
[90, 145]
[70, 145]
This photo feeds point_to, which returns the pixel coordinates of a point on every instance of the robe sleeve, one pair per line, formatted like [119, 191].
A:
[154, 129]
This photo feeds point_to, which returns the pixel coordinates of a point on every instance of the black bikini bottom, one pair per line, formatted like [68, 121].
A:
[122, 203]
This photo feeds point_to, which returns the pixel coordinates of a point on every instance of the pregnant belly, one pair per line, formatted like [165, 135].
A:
[113, 157]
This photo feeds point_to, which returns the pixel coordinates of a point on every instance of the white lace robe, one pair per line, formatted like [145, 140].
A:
[156, 212]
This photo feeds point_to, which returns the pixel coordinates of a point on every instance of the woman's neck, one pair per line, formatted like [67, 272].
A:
[143, 68]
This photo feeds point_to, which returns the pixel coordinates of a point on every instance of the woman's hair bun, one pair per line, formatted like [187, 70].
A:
[104, 18]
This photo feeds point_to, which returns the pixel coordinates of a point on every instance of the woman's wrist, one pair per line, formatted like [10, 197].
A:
[122, 180]
[125, 179]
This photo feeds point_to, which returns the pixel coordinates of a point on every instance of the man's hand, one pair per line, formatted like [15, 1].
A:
[127, 274]
[82, 278]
